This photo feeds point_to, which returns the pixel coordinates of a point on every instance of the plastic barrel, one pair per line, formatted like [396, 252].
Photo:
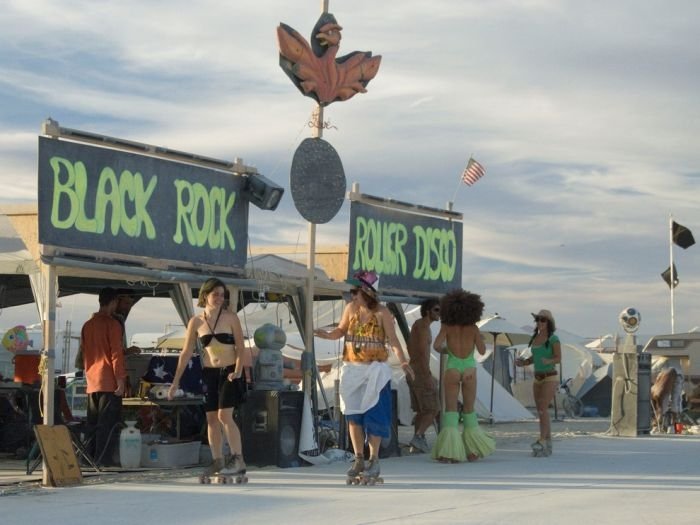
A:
[130, 446]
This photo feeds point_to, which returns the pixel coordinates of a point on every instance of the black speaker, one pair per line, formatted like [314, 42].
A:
[390, 445]
[643, 393]
[270, 422]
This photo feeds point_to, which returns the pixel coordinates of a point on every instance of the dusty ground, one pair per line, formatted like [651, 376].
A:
[525, 432]
[507, 435]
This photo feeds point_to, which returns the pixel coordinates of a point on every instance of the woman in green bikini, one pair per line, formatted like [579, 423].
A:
[458, 336]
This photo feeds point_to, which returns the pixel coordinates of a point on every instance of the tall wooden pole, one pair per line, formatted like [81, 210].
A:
[49, 333]
[311, 266]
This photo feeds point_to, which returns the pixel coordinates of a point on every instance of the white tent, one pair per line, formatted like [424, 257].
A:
[505, 406]
[577, 363]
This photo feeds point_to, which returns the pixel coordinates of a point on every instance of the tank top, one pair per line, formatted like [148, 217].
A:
[365, 342]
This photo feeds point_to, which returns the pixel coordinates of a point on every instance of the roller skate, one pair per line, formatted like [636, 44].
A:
[371, 475]
[418, 445]
[212, 470]
[354, 473]
[539, 449]
[234, 471]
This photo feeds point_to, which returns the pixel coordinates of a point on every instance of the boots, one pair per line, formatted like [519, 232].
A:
[477, 443]
[373, 470]
[212, 470]
[358, 466]
[449, 447]
[235, 464]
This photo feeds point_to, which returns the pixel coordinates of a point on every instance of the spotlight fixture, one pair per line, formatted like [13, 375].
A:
[262, 192]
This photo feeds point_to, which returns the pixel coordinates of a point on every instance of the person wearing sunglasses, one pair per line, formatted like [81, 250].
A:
[425, 400]
[365, 377]
[546, 354]
[220, 334]
[458, 337]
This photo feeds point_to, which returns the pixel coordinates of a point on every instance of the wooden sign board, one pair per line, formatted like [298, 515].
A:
[57, 448]
[106, 200]
[409, 251]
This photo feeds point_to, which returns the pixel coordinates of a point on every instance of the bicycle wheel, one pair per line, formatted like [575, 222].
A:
[572, 406]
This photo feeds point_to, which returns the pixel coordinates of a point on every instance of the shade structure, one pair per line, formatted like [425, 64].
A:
[509, 334]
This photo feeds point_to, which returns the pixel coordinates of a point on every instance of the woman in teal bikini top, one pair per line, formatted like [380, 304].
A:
[546, 354]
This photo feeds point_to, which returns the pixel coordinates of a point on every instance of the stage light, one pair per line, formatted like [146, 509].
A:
[262, 192]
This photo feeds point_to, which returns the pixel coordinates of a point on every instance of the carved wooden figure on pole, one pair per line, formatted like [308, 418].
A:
[314, 68]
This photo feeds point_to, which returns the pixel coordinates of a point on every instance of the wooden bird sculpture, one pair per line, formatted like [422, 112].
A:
[314, 68]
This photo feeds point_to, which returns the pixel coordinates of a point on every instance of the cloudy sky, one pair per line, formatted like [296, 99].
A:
[585, 114]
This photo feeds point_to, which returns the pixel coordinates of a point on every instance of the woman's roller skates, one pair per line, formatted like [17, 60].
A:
[234, 471]
[371, 475]
[211, 471]
[354, 473]
[542, 448]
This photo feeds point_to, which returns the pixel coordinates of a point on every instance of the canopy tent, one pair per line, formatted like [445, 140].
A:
[509, 334]
[19, 273]
[267, 282]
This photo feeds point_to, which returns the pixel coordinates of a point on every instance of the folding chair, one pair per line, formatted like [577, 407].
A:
[80, 439]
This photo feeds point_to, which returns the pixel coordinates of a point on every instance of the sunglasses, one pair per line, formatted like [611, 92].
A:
[436, 310]
[354, 291]
[539, 319]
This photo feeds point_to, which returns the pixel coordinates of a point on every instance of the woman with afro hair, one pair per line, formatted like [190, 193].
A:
[460, 310]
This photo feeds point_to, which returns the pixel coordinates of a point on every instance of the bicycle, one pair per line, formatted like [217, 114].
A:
[572, 405]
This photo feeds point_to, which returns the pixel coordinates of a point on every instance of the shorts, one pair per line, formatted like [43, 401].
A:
[377, 420]
[546, 377]
[424, 398]
[219, 392]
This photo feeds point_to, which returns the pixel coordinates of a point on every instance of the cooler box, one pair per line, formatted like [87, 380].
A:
[167, 455]
[27, 368]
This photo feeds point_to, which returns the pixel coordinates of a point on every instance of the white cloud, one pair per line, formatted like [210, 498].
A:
[585, 116]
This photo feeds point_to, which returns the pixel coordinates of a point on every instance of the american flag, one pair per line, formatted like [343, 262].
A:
[473, 172]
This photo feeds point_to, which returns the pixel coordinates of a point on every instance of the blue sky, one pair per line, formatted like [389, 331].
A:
[585, 115]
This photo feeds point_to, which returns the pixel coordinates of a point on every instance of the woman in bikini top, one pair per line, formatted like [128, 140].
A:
[220, 346]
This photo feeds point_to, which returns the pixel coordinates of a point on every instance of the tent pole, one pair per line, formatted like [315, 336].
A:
[49, 333]
[673, 274]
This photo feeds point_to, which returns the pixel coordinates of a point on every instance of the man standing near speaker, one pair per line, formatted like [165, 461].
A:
[365, 378]
[424, 388]
[103, 357]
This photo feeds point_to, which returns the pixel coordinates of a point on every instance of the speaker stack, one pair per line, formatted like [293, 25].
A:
[630, 413]
[270, 423]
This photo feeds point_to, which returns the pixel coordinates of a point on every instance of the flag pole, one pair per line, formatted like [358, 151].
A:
[459, 181]
[673, 277]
